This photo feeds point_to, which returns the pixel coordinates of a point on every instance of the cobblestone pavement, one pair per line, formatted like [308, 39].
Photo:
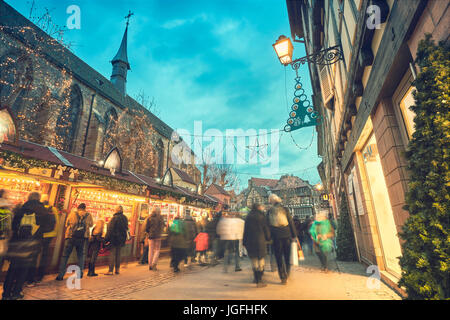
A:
[344, 281]
[133, 278]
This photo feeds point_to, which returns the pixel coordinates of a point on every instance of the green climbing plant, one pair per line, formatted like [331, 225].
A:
[426, 248]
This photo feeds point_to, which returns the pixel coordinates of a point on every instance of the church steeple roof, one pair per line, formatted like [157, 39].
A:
[122, 55]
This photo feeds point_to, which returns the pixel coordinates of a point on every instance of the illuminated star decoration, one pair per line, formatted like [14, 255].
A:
[257, 149]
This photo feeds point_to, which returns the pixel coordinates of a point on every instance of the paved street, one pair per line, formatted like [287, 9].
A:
[210, 283]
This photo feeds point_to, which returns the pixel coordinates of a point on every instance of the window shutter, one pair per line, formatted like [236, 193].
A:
[325, 84]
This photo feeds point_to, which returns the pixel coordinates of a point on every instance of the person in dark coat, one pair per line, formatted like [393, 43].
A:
[256, 236]
[307, 235]
[191, 233]
[28, 232]
[178, 243]
[143, 239]
[283, 232]
[214, 239]
[155, 227]
[95, 243]
[117, 236]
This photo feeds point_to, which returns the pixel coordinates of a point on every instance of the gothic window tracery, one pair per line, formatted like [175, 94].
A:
[68, 119]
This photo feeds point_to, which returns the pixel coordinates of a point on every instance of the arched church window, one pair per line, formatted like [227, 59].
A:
[160, 155]
[111, 119]
[16, 78]
[67, 122]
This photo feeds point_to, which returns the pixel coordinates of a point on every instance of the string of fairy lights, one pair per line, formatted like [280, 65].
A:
[39, 98]
[28, 79]
[48, 109]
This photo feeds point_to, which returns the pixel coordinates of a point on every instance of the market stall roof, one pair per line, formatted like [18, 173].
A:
[183, 175]
[216, 189]
[33, 150]
[152, 183]
[213, 199]
[191, 194]
[85, 164]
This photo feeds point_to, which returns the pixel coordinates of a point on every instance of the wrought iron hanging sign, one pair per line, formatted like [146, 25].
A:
[302, 112]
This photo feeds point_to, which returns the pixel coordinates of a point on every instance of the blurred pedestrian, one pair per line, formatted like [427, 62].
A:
[334, 225]
[178, 243]
[30, 222]
[283, 233]
[143, 239]
[231, 230]
[298, 226]
[201, 246]
[6, 217]
[256, 236]
[307, 235]
[95, 243]
[322, 233]
[213, 237]
[116, 235]
[48, 237]
[191, 233]
[78, 224]
[155, 227]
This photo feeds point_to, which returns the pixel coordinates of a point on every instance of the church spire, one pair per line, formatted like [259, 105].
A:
[120, 62]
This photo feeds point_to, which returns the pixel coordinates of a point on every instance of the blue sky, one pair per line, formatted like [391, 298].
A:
[209, 60]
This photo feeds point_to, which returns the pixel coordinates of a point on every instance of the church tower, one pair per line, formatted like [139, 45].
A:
[120, 63]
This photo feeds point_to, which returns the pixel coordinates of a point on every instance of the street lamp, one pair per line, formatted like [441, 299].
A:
[319, 187]
[302, 113]
[284, 49]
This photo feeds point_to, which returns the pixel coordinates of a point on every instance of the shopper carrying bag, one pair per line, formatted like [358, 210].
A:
[294, 254]
[301, 256]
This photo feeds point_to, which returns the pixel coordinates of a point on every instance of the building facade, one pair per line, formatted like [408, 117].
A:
[220, 194]
[298, 196]
[363, 101]
[58, 100]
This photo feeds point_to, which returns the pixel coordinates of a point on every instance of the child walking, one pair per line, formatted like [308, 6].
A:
[201, 246]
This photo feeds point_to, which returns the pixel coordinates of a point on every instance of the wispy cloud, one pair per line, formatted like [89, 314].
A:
[201, 60]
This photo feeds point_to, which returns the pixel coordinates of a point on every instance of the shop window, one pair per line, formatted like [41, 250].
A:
[381, 205]
[407, 114]
[403, 99]
[325, 84]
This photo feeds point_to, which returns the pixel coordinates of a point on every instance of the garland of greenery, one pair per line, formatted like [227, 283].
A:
[15, 160]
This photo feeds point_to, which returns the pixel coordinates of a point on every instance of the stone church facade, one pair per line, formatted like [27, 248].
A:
[58, 100]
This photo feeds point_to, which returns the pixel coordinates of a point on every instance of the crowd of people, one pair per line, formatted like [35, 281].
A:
[263, 233]
[27, 230]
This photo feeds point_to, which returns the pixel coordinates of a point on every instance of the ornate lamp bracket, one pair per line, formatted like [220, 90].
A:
[323, 57]
[302, 112]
